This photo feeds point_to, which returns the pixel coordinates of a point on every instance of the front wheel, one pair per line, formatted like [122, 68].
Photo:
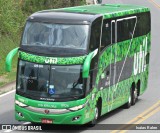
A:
[96, 116]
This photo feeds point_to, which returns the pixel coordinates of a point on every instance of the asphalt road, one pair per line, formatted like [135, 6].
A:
[146, 110]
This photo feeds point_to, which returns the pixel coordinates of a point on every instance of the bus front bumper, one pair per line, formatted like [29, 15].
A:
[76, 117]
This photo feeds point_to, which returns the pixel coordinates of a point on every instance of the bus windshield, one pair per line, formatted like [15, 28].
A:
[45, 82]
[55, 35]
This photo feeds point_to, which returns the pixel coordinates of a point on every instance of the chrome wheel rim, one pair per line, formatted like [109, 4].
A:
[96, 113]
[135, 93]
[129, 99]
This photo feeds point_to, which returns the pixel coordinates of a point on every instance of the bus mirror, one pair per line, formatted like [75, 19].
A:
[87, 63]
[9, 59]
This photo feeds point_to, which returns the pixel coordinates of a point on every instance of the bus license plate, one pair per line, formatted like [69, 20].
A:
[47, 121]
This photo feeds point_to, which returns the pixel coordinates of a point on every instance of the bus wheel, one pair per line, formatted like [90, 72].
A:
[94, 121]
[134, 96]
[128, 104]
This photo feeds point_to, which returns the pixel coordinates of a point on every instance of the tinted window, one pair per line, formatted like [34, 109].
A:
[55, 35]
[44, 82]
[125, 29]
[95, 34]
[106, 34]
[143, 24]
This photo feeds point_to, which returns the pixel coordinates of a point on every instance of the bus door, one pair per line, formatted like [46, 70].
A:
[95, 43]
[113, 53]
[125, 31]
[112, 67]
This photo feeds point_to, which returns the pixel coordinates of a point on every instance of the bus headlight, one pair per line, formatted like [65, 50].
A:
[78, 107]
[20, 104]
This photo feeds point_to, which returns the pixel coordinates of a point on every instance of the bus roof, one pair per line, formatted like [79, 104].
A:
[62, 17]
[89, 12]
[108, 10]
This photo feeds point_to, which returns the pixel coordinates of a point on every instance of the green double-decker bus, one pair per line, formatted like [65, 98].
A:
[76, 64]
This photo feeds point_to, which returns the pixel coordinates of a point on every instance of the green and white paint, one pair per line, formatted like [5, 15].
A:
[117, 94]
[51, 60]
[139, 58]
[112, 96]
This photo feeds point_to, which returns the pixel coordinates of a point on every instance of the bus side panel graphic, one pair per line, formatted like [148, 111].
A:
[107, 87]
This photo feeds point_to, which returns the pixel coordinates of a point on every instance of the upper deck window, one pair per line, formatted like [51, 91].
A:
[55, 35]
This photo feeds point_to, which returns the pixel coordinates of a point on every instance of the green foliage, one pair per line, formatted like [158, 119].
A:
[31, 6]
[11, 18]
[13, 14]
[7, 44]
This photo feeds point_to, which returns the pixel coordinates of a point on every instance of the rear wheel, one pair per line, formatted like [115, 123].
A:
[128, 104]
[134, 96]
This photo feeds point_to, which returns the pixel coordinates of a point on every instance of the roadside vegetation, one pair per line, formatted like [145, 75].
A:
[13, 14]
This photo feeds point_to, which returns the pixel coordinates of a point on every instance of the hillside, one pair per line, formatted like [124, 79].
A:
[13, 14]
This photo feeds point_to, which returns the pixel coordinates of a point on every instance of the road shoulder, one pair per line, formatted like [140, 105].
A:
[8, 87]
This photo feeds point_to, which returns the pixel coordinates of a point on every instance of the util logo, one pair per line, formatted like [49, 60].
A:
[140, 58]
[51, 60]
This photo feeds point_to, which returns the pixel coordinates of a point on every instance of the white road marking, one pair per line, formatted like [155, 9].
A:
[7, 131]
[7, 93]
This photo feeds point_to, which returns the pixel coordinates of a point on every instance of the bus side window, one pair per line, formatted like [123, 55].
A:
[106, 34]
[143, 24]
[95, 35]
[125, 29]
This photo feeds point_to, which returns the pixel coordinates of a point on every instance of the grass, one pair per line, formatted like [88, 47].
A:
[2, 84]
[8, 77]
[6, 45]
